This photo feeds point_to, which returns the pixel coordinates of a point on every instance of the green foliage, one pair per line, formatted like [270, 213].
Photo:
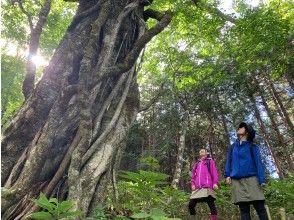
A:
[16, 26]
[14, 23]
[131, 154]
[54, 209]
[12, 75]
[224, 202]
[99, 213]
[280, 193]
[152, 200]
[143, 191]
[150, 162]
[155, 214]
[144, 178]
[58, 20]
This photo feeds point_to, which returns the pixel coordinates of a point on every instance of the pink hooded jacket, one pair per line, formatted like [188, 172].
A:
[201, 178]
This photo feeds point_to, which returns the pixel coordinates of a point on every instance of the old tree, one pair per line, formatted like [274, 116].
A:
[70, 129]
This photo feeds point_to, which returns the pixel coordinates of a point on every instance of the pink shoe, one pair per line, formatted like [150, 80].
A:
[213, 217]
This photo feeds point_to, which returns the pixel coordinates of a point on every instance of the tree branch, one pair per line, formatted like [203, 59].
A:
[29, 81]
[29, 17]
[85, 14]
[153, 99]
[150, 13]
[112, 123]
[139, 45]
[43, 17]
[98, 119]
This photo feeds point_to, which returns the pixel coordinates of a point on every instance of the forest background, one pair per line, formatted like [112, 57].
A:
[174, 77]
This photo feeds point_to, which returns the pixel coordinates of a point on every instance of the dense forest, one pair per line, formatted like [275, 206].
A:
[106, 104]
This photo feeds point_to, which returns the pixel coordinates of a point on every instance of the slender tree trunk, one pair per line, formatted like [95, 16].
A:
[224, 123]
[29, 81]
[210, 134]
[280, 107]
[192, 152]
[181, 150]
[80, 111]
[275, 128]
[214, 143]
[267, 140]
[290, 80]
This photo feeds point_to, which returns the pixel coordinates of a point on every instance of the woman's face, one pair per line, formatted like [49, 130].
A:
[241, 131]
[203, 153]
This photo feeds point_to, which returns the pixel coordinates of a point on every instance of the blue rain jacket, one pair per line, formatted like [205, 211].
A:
[243, 162]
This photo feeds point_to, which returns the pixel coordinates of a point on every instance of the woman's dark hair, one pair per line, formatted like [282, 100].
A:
[249, 129]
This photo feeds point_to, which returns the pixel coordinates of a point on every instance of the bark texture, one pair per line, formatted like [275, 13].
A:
[73, 123]
[181, 150]
[267, 140]
[280, 107]
[283, 148]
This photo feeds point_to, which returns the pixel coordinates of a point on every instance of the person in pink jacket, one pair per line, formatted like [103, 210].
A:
[204, 181]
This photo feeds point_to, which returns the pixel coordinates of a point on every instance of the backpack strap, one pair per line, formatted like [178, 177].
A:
[207, 160]
[208, 165]
[231, 154]
[252, 153]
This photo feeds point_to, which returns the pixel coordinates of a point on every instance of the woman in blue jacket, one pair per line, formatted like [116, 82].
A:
[244, 170]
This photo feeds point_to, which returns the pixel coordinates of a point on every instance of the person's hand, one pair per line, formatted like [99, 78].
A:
[215, 186]
[228, 180]
[193, 188]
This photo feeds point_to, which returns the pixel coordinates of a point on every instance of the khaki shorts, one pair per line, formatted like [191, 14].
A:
[202, 193]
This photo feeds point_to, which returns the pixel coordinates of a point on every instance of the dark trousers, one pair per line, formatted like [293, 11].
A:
[258, 206]
[210, 202]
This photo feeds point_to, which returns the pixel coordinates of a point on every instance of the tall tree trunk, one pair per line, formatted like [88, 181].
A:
[181, 150]
[280, 107]
[210, 135]
[192, 156]
[267, 140]
[224, 121]
[81, 109]
[214, 143]
[274, 127]
[36, 31]
[289, 78]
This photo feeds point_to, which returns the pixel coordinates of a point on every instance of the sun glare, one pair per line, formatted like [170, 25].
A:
[11, 50]
[38, 60]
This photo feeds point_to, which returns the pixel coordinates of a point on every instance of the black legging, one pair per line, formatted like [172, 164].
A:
[209, 200]
[258, 206]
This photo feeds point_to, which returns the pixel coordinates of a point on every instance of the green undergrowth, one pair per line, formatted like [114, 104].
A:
[147, 195]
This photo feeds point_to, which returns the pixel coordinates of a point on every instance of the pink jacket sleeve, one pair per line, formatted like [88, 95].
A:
[214, 172]
[193, 180]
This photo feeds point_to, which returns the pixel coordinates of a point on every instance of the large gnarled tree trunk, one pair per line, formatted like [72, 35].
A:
[81, 110]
